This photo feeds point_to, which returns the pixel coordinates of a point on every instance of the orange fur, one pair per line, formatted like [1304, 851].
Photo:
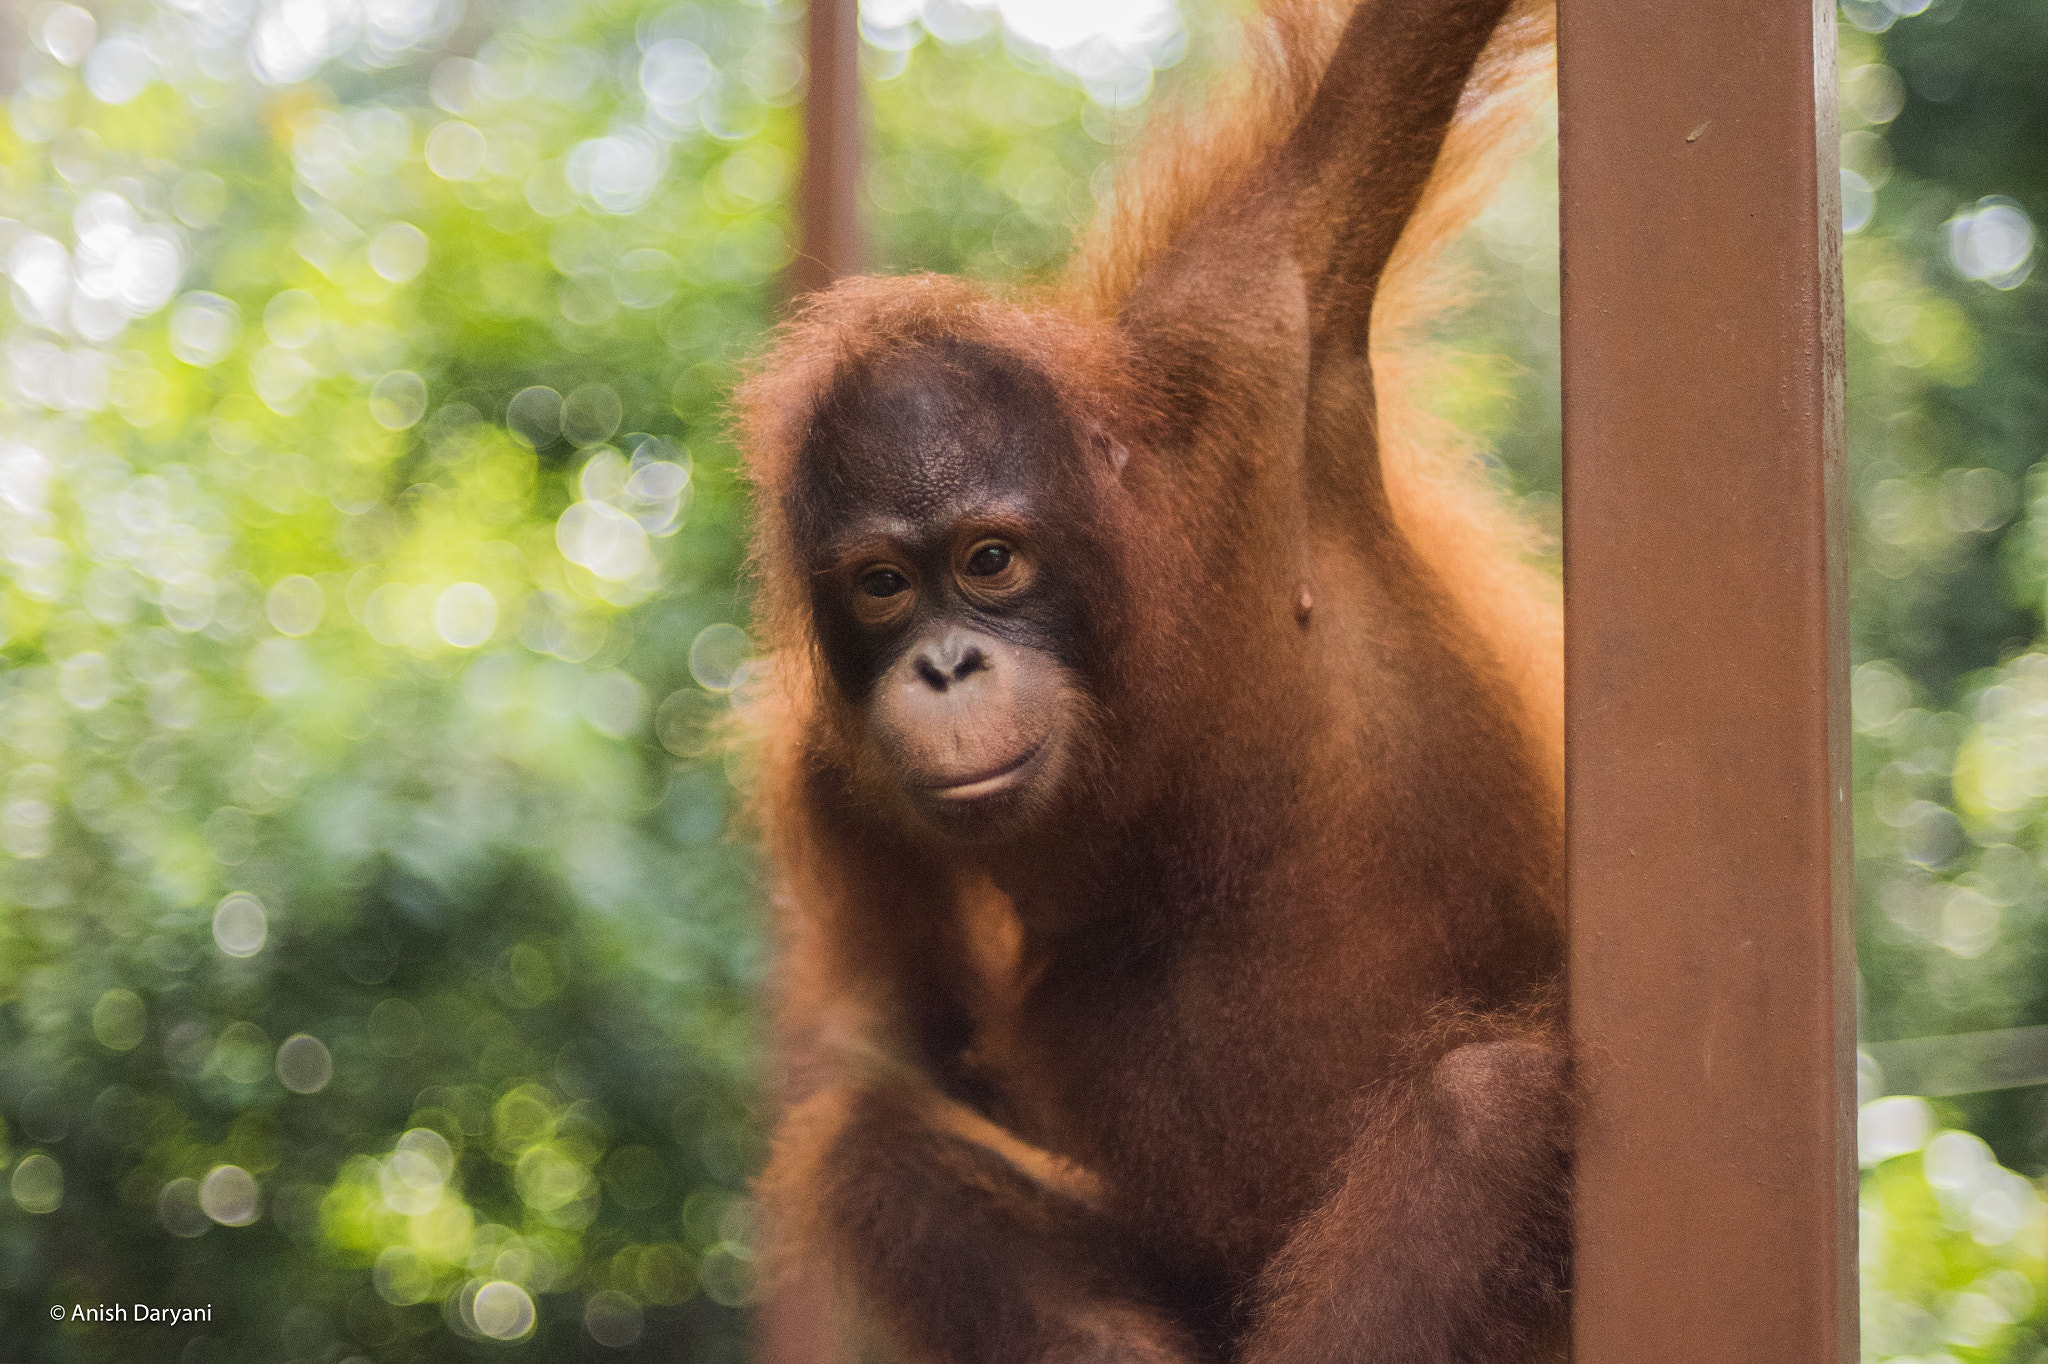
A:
[1442, 497]
[1244, 1044]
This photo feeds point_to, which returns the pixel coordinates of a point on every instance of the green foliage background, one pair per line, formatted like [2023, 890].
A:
[378, 953]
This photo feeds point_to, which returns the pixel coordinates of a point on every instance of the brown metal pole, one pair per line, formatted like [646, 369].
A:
[829, 197]
[1712, 977]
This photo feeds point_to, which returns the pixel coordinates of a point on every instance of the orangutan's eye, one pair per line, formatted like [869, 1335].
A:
[883, 582]
[988, 560]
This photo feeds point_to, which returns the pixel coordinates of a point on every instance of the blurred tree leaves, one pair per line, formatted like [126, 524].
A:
[1947, 433]
[374, 968]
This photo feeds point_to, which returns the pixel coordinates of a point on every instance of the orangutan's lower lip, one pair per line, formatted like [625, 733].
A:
[984, 783]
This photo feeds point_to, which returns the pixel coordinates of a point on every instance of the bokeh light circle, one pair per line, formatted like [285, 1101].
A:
[1993, 241]
[118, 70]
[502, 1310]
[590, 414]
[37, 1184]
[716, 655]
[177, 1208]
[534, 416]
[240, 925]
[119, 1020]
[229, 1196]
[465, 615]
[613, 1319]
[398, 400]
[398, 252]
[603, 539]
[68, 33]
[455, 151]
[295, 605]
[400, 1277]
[1894, 1126]
[204, 328]
[304, 1065]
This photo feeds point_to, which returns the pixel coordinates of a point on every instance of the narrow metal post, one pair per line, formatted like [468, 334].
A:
[829, 196]
[1712, 977]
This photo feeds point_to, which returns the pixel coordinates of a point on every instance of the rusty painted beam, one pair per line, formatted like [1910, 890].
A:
[1708, 769]
[830, 243]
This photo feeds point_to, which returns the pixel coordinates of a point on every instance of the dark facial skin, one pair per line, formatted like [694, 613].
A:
[942, 533]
